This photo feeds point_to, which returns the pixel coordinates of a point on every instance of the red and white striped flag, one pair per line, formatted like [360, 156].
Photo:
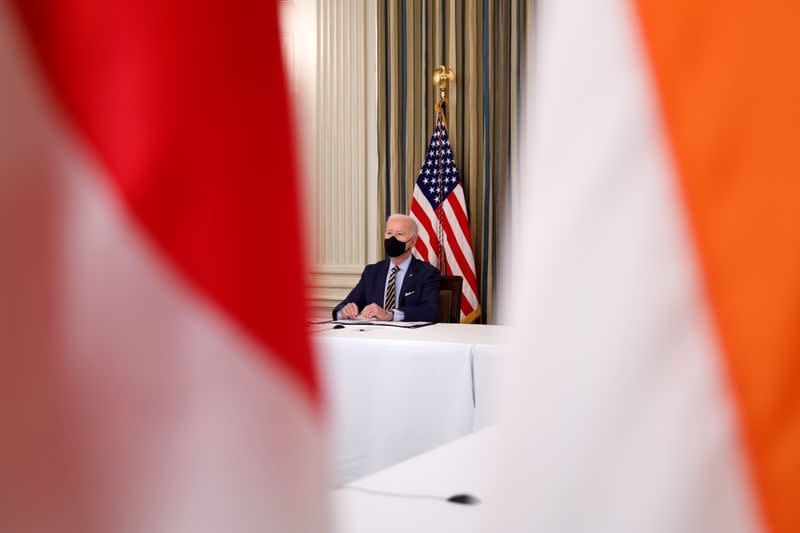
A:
[439, 207]
[155, 370]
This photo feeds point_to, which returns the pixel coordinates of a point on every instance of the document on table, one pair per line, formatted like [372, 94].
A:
[367, 322]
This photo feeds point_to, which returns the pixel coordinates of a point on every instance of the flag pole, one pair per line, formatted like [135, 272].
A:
[442, 76]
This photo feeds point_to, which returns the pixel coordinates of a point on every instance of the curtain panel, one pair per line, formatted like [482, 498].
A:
[485, 43]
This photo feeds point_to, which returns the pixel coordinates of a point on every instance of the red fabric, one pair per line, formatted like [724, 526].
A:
[184, 102]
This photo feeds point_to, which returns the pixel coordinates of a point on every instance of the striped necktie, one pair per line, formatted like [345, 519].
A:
[389, 299]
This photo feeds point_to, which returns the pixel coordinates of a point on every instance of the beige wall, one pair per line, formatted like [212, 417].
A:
[330, 52]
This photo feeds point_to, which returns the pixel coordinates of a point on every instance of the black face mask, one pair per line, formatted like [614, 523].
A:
[393, 247]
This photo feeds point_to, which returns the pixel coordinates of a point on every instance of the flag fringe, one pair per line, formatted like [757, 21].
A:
[472, 317]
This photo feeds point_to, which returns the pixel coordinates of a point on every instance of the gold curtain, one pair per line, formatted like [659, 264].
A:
[484, 42]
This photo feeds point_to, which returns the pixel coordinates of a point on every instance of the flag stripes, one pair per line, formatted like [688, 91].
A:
[439, 207]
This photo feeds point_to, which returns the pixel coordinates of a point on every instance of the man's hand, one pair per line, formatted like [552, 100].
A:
[350, 311]
[375, 311]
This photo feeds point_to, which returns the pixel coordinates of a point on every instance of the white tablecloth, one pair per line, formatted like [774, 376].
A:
[463, 466]
[486, 368]
[394, 393]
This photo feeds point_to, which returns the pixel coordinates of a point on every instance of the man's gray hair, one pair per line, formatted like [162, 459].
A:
[407, 219]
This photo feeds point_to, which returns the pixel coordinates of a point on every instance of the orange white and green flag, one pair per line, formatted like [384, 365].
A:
[657, 382]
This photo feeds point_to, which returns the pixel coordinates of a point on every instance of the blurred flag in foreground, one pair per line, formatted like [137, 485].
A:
[657, 377]
[144, 382]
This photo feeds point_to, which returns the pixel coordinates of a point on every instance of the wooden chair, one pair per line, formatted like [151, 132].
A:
[450, 299]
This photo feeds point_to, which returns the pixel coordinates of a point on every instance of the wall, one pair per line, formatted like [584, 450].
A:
[330, 50]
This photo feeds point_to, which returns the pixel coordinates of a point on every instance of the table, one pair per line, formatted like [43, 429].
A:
[486, 371]
[462, 466]
[394, 393]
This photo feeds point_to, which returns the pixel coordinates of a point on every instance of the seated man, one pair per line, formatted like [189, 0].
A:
[399, 288]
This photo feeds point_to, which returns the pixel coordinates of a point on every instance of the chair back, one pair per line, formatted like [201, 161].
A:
[450, 299]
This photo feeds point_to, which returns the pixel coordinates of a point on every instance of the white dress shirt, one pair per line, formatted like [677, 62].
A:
[398, 284]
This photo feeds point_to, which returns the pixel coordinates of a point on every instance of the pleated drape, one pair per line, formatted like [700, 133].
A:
[485, 43]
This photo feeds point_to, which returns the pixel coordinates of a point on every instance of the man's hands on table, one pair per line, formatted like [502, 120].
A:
[370, 312]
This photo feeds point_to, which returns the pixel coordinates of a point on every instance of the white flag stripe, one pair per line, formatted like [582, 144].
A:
[425, 238]
[428, 211]
[617, 385]
[466, 288]
[458, 192]
[458, 232]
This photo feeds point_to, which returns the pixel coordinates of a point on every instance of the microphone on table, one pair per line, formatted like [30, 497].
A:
[466, 499]
[463, 499]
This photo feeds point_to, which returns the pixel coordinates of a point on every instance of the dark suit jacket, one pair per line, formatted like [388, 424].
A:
[418, 297]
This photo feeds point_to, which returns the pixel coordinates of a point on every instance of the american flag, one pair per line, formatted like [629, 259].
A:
[440, 210]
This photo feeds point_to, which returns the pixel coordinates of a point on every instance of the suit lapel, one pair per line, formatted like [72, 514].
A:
[408, 280]
[380, 282]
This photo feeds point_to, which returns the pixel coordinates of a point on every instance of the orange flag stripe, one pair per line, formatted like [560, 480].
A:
[728, 77]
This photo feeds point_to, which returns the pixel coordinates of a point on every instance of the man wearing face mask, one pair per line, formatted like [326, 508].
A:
[399, 288]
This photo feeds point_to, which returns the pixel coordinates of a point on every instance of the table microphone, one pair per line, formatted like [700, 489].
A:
[465, 499]
[462, 499]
